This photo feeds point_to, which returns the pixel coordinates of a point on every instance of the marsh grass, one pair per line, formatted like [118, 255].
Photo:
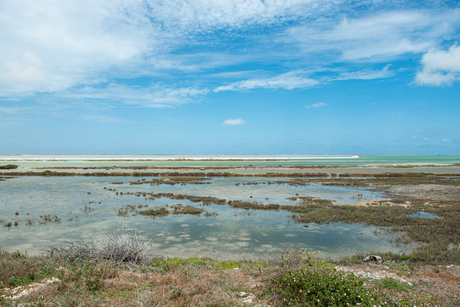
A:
[174, 180]
[17, 269]
[155, 212]
[437, 239]
[8, 166]
[45, 219]
[180, 209]
[210, 282]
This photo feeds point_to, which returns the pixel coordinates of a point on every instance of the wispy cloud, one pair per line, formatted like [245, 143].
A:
[233, 122]
[366, 74]
[156, 95]
[432, 131]
[316, 105]
[383, 36]
[289, 81]
[440, 67]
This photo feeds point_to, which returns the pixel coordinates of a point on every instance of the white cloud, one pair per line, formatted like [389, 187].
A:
[52, 46]
[190, 15]
[73, 49]
[289, 81]
[444, 140]
[384, 36]
[440, 67]
[366, 74]
[413, 137]
[316, 105]
[157, 95]
[233, 122]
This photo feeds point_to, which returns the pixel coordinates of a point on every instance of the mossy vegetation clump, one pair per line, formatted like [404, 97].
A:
[155, 212]
[8, 166]
[180, 209]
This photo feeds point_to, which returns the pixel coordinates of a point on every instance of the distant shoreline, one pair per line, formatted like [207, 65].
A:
[95, 158]
[227, 171]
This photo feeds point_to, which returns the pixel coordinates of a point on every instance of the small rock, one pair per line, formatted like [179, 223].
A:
[243, 294]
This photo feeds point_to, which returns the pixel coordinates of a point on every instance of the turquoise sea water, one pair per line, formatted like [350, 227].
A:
[243, 160]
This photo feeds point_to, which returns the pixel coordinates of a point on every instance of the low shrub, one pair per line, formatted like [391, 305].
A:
[87, 274]
[392, 284]
[117, 247]
[322, 287]
[18, 269]
[297, 258]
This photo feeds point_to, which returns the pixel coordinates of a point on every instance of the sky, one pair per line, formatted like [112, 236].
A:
[229, 77]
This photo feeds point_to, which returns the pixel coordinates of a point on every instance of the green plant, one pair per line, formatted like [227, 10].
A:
[322, 287]
[18, 269]
[392, 284]
[92, 283]
[8, 166]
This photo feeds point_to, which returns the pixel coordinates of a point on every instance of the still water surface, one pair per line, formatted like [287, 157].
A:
[80, 207]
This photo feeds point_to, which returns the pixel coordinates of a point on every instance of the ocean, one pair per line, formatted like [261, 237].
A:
[225, 160]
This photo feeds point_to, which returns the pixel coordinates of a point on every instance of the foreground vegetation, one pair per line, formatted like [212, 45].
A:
[296, 279]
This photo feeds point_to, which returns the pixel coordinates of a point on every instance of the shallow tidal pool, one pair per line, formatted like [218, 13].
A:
[49, 211]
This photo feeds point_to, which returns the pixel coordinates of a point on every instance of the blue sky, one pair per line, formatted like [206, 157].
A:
[229, 77]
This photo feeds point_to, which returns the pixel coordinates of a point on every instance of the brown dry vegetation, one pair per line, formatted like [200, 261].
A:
[206, 282]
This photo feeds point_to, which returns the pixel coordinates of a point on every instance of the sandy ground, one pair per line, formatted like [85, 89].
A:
[260, 170]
